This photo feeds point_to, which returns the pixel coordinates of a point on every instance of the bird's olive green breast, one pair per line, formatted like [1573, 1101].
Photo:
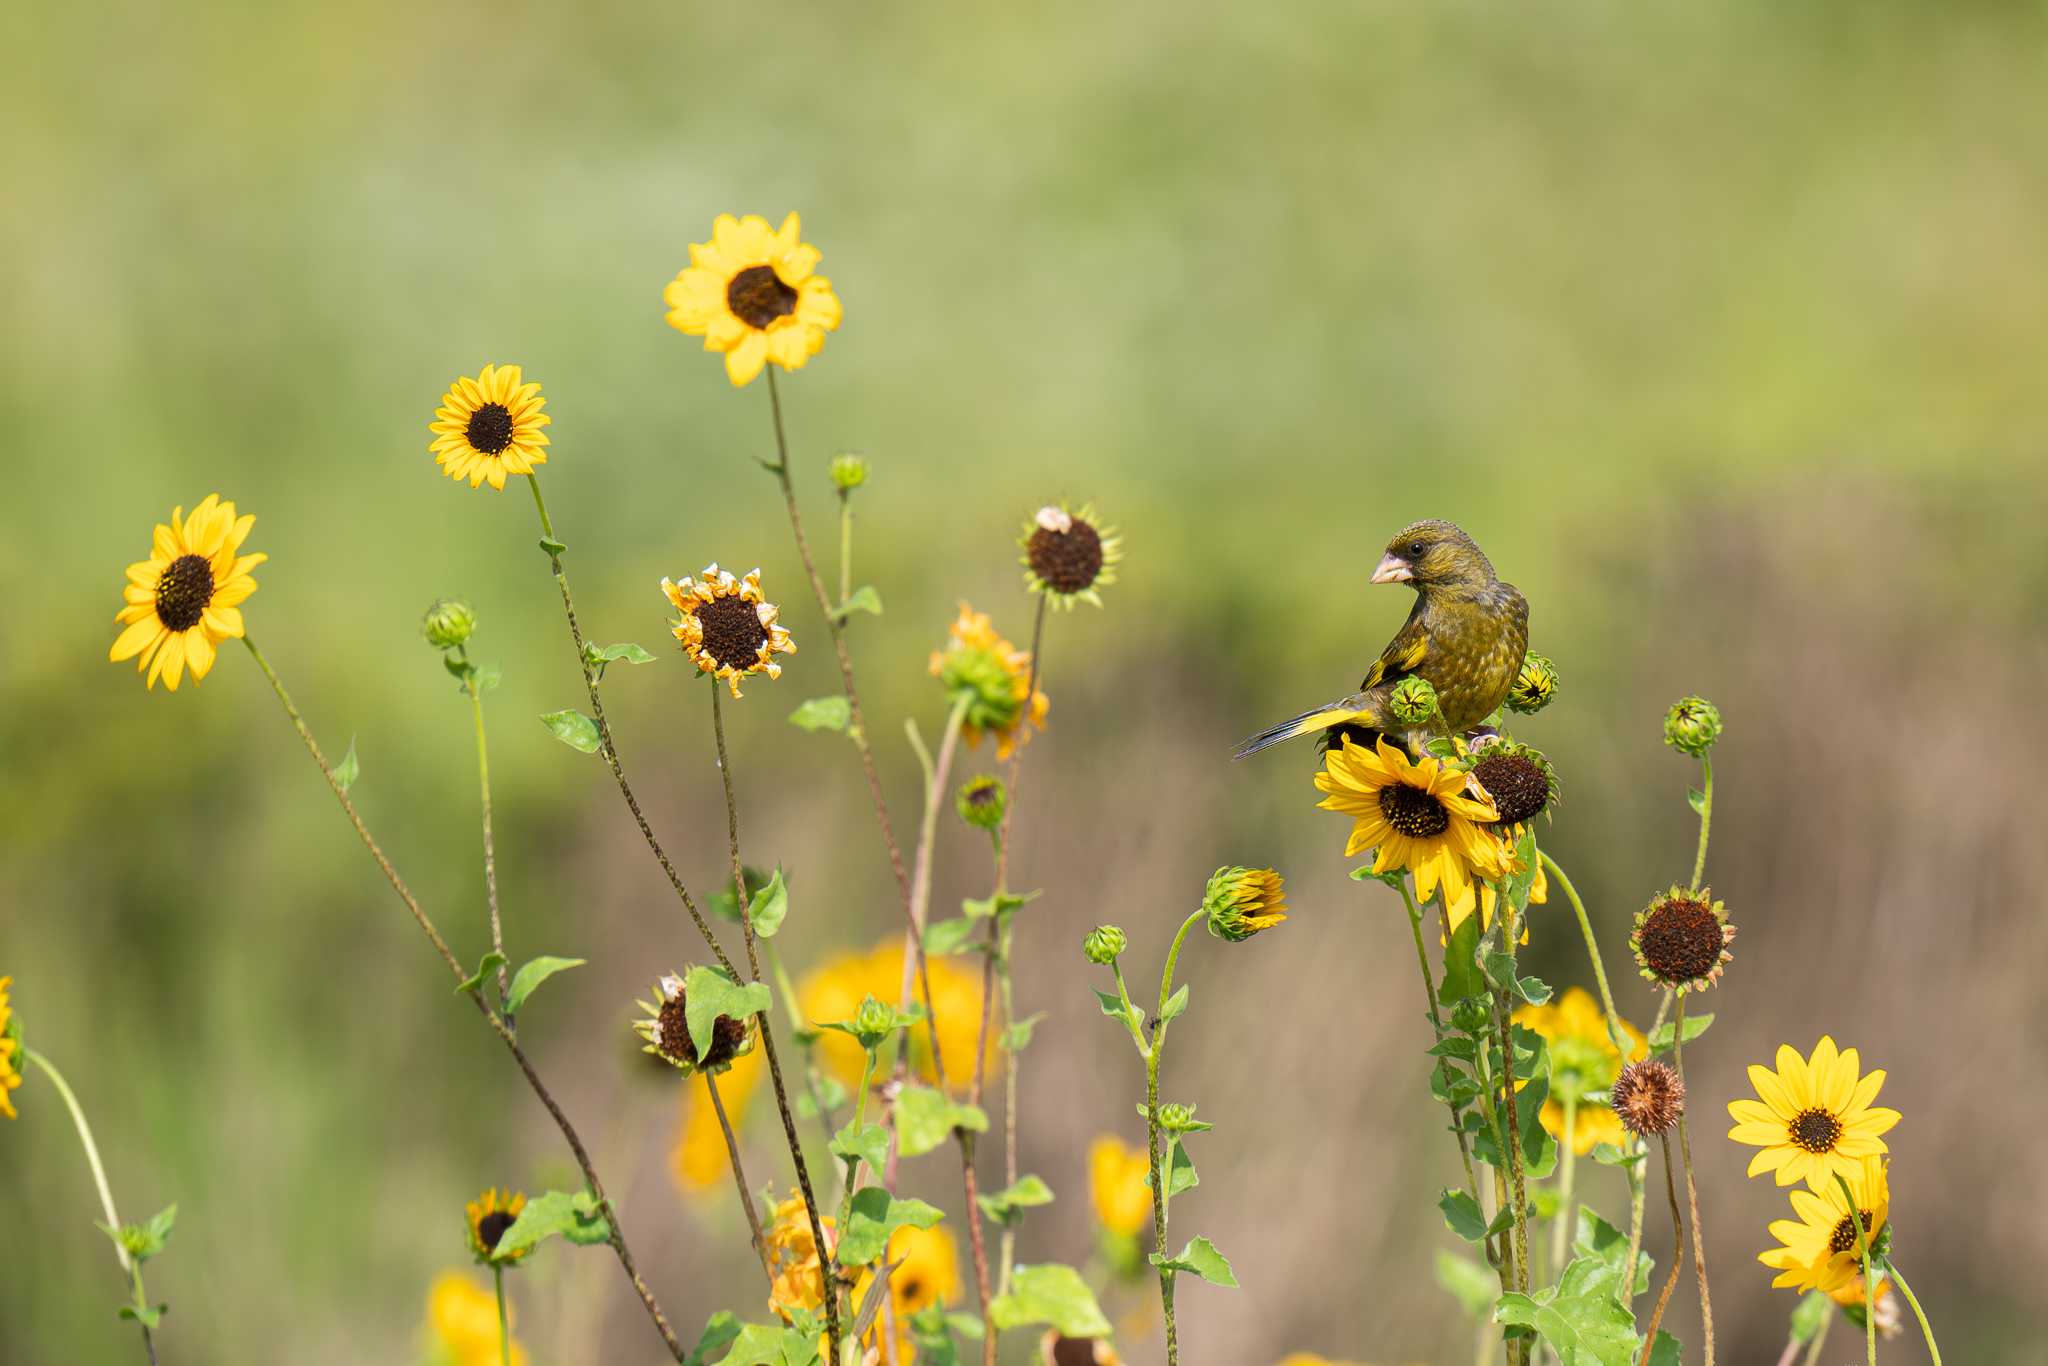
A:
[1476, 643]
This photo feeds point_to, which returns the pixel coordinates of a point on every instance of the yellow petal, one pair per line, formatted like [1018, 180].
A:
[133, 640]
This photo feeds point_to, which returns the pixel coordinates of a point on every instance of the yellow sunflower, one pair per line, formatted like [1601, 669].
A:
[182, 599]
[727, 628]
[10, 1044]
[927, 1272]
[1583, 1066]
[489, 427]
[994, 678]
[1817, 1250]
[751, 293]
[490, 1215]
[1117, 1184]
[1815, 1117]
[1069, 555]
[462, 1324]
[835, 989]
[1242, 901]
[1418, 817]
[1539, 888]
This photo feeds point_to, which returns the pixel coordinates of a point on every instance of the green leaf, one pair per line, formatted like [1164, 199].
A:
[1017, 1037]
[573, 729]
[348, 770]
[1534, 990]
[1462, 1215]
[1597, 1238]
[926, 1118]
[862, 599]
[552, 546]
[764, 1344]
[1050, 1293]
[627, 651]
[1607, 1155]
[573, 1216]
[489, 676]
[1113, 1006]
[711, 992]
[1002, 903]
[1499, 969]
[948, 936]
[1175, 1004]
[823, 713]
[1461, 962]
[875, 1215]
[1473, 1285]
[1810, 1315]
[1453, 1048]
[1695, 1025]
[719, 1331]
[1022, 1193]
[1697, 800]
[159, 1226]
[147, 1316]
[1180, 1170]
[1526, 858]
[769, 906]
[830, 1089]
[490, 963]
[531, 974]
[1201, 1257]
[870, 1143]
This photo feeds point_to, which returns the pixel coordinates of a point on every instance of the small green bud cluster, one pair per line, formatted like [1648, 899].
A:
[1414, 701]
[449, 623]
[1104, 945]
[1692, 725]
[849, 471]
[873, 1022]
[981, 801]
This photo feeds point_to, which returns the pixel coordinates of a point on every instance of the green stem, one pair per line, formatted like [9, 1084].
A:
[1560, 1233]
[1699, 863]
[1159, 1197]
[129, 1266]
[845, 546]
[1510, 930]
[1869, 1271]
[860, 1117]
[483, 773]
[1927, 1332]
[1614, 1033]
[504, 1318]
[739, 1177]
[1436, 1025]
[1819, 1339]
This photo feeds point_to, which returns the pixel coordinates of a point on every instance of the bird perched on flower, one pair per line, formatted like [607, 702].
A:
[1466, 637]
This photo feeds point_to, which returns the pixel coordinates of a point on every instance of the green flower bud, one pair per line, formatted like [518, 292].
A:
[448, 623]
[1414, 700]
[1242, 901]
[1534, 686]
[1180, 1119]
[980, 802]
[1104, 945]
[849, 471]
[1692, 725]
[873, 1022]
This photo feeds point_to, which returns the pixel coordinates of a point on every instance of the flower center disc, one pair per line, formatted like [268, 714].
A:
[757, 297]
[1681, 940]
[1815, 1130]
[1844, 1239]
[1074, 1352]
[733, 633]
[492, 1227]
[727, 1034]
[182, 592]
[1068, 561]
[1518, 787]
[1413, 812]
[490, 429]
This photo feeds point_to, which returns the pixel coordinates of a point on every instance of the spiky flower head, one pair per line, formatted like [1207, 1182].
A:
[490, 1215]
[1104, 945]
[727, 628]
[665, 1031]
[10, 1050]
[1681, 939]
[448, 623]
[1069, 555]
[1518, 779]
[1648, 1097]
[849, 471]
[873, 1022]
[1534, 686]
[981, 800]
[993, 678]
[1413, 701]
[1178, 1118]
[1693, 725]
[1242, 901]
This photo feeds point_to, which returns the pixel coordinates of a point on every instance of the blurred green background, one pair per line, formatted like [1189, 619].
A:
[1720, 327]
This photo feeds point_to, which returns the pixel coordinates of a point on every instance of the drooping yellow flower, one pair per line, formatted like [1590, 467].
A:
[751, 292]
[1583, 1066]
[182, 599]
[1818, 1250]
[793, 1251]
[835, 989]
[489, 427]
[1117, 1175]
[1418, 817]
[727, 628]
[490, 1215]
[462, 1324]
[1069, 555]
[994, 678]
[1242, 901]
[698, 1161]
[10, 1067]
[1815, 1116]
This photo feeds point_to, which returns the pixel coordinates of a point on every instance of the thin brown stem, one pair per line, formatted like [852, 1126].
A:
[967, 1146]
[739, 1177]
[1009, 1252]
[1692, 1196]
[1677, 1257]
[826, 1264]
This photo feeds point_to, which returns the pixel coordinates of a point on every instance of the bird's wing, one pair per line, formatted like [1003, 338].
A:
[1403, 656]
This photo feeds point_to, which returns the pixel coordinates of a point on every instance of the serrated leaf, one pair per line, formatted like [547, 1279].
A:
[573, 729]
[1607, 1155]
[823, 713]
[531, 974]
[862, 599]
[627, 651]
[1534, 990]
[1201, 1257]
[766, 911]
[870, 1143]
[1017, 1037]
[719, 1331]
[926, 1118]
[948, 936]
[1461, 965]
[348, 770]
[1054, 1294]
[1023, 1193]
[1175, 1004]
[764, 1344]
[574, 1216]
[1695, 1025]
[1597, 1238]
[711, 992]
[1113, 1006]
[1462, 1215]
[1180, 1170]
[1499, 969]
[874, 1216]
[490, 963]
[1452, 1048]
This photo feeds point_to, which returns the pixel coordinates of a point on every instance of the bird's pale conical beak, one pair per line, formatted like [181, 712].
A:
[1393, 569]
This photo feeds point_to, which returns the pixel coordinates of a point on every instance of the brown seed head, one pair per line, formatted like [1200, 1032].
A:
[1648, 1097]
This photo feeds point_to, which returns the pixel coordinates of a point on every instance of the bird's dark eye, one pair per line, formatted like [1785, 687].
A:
[1416, 549]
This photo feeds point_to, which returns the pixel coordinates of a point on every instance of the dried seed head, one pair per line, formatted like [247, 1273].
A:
[1648, 1097]
[1518, 780]
[1681, 939]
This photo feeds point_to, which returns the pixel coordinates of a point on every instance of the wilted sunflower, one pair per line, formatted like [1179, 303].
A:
[1418, 817]
[10, 1044]
[793, 1252]
[182, 599]
[1242, 901]
[1518, 780]
[1819, 1249]
[750, 292]
[1681, 939]
[1815, 1116]
[1583, 1066]
[666, 1031]
[489, 427]
[1069, 554]
[727, 628]
[994, 677]
[490, 1215]
[1117, 1185]
[462, 1324]
[1057, 1349]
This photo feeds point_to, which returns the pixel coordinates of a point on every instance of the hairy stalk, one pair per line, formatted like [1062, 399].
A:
[846, 1189]
[483, 775]
[1567, 1158]
[1436, 1025]
[1614, 1032]
[845, 545]
[1933, 1351]
[1699, 862]
[504, 1318]
[739, 1177]
[796, 1146]
[1869, 1271]
[475, 995]
[976, 1238]
[1677, 1257]
[1508, 932]
[1819, 1339]
[1692, 1195]
[131, 1268]
[1159, 1175]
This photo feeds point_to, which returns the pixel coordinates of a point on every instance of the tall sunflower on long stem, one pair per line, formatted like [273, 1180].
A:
[184, 599]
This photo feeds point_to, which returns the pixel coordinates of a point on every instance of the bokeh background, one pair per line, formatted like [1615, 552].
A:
[1720, 327]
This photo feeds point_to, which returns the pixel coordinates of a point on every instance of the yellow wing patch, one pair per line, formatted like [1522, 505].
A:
[1400, 658]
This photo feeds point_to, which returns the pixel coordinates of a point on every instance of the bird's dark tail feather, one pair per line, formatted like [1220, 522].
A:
[1318, 719]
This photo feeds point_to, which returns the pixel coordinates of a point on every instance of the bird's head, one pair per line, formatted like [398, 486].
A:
[1433, 553]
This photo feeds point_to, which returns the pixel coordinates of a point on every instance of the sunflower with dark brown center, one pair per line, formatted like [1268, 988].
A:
[1057, 1349]
[1681, 939]
[1520, 781]
[491, 1216]
[665, 1031]
[753, 292]
[489, 428]
[1069, 555]
[726, 627]
[181, 602]
[1417, 816]
[1648, 1097]
[1813, 1116]
[1820, 1250]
